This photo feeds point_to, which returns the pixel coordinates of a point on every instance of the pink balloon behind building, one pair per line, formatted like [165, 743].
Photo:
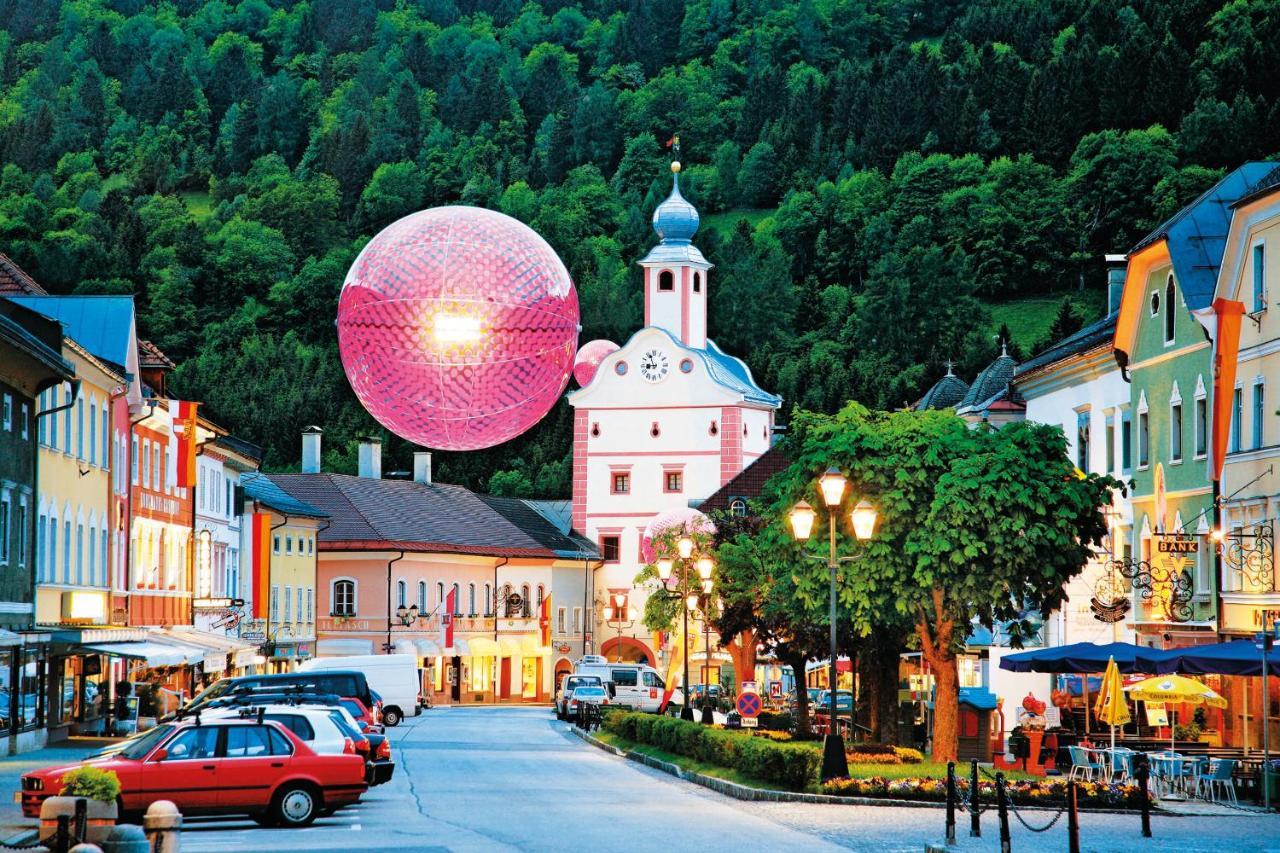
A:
[457, 327]
[682, 518]
[590, 356]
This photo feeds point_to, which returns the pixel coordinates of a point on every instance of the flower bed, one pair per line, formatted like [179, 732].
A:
[1021, 792]
[876, 754]
[790, 765]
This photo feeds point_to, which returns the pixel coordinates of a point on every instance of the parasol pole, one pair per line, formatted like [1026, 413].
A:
[1084, 691]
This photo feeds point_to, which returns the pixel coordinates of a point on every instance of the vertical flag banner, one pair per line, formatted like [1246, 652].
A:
[675, 667]
[1226, 353]
[182, 447]
[261, 563]
[446, 618]
[544, 619]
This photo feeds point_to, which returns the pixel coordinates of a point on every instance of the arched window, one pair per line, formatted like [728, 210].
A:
[541, 596]
[697, 282]
[524, 594]
[666, 281]
[440, 596]
[422, 597]
[344, 597]
[738, 508]
[457, 601]
[488, 600]
[402, 593]
[471, 599]
[1169, 314]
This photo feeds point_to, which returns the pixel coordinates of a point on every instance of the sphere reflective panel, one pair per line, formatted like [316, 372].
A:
[457, 328]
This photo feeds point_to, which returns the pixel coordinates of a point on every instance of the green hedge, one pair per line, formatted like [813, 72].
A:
[792, 766]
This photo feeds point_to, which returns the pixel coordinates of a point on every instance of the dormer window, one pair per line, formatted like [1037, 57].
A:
[666, 281]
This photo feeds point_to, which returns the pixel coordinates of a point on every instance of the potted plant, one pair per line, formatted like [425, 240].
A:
[100, 789]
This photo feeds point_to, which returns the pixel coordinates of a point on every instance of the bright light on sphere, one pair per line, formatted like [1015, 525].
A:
[458, 327]
[802, 517]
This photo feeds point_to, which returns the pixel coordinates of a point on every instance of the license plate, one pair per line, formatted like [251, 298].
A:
[17, 796]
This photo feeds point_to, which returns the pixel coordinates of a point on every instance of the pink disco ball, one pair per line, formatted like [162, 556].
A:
[457, 328]
[590, 355]
[682, 518]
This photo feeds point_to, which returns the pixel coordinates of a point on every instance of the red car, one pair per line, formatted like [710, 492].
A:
[232, 766]
[363, 716]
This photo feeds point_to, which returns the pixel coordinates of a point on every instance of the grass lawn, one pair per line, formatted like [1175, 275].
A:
[924, 770]
[691, 764]
[1029, 319]
[198, 202]
[725, 222]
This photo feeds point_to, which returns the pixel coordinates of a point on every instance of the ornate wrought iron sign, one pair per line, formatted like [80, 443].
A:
[1162, 586]
[1249, 551]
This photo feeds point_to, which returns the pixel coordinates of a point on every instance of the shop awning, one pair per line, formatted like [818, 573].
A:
[483, 647]
[427, 648]
[246, 657]
[9, 638]
[1238, 657]
[406, 647]
[155, 654]
[203, 639]
[529, 647]
[342, 647]
[510, 646]
[460, 648]
[1087, 657]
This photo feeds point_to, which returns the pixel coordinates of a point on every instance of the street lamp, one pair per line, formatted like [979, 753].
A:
[687, 586]
[407, 615]
[863, 518]
[620, 616]
[702, 606]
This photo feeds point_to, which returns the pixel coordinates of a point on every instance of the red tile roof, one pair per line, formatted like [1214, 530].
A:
[750, 481]
[15, 282]
[150, 356]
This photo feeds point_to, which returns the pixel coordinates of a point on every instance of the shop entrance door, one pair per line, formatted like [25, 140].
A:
[505, 683]
[455, 680]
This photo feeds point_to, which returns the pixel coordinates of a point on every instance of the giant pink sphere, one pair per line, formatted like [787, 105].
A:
[590, 355]
[684, 519]
[457, 327]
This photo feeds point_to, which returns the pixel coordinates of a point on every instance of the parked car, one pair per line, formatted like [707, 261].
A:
[793, 703]
[395, 677]
[586, 694]
[567, 686]
[632, 685]
[220, 766]
[822, 705]
[363, 715]
[340, 683]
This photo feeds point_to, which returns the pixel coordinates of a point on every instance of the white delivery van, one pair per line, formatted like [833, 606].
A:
[632, 685]
[393, 677]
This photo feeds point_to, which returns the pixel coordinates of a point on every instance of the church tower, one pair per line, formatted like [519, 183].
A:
[660, 423]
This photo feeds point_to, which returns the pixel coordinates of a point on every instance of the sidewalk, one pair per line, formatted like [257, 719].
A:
[13, 766]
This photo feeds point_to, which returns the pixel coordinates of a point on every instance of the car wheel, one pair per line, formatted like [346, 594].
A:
[296, 805]
[391, 716]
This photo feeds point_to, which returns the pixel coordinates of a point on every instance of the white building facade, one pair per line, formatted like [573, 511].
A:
[664, 421]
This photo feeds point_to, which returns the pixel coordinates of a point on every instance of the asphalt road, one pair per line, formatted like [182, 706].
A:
[515, 779]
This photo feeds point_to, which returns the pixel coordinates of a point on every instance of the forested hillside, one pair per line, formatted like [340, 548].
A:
[920, 159]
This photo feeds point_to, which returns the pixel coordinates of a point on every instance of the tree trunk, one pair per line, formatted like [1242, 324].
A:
[935, 643]
[796, 662]
[882, 690]
[742, 651]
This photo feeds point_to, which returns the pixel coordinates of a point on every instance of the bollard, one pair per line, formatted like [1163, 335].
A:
[82, 820]
[1073, 818]
[951, 802]
[85, 847]
[975, 824]
[126, 838]
[1002, 805]
[1142, 769]
[162, 823]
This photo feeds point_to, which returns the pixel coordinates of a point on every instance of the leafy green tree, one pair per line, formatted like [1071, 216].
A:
[395, 190]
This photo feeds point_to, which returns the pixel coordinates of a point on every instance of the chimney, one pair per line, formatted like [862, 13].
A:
[422, 466]
[370, 461]
[311, 449]
[1116, 268]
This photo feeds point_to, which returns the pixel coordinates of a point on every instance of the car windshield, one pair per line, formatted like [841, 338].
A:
[144, 743]
[213, 691]
[589, 691]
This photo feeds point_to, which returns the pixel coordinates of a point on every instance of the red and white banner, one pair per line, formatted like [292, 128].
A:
[446, 619]
[182, 446]
[544, 619]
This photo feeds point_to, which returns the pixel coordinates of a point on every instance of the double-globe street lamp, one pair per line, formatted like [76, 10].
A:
[703, 606]
[619, 615]
[686, 590]
[832, 485]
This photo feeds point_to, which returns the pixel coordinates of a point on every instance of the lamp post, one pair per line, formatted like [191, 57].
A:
[620, 616]
[701, 604]
[833, 484]
[687, 590]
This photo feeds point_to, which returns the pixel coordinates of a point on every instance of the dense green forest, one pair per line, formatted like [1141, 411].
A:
[918, 161]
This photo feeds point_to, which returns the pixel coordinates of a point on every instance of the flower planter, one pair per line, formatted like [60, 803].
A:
[101, 817]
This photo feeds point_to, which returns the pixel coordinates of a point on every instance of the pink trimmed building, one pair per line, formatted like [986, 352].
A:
[665, 421]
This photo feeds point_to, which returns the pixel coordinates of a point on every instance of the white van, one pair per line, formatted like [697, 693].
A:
[393, 677]
[633, 685]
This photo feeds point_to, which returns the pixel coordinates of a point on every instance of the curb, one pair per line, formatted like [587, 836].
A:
[746, 792]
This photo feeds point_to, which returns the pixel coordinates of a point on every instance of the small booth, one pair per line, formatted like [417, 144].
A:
[976, 707]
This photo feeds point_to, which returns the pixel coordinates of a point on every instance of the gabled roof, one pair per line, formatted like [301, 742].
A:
[1197, 234]
[264, 491]
[34, 335]
[992, 381]
[749, 482]
[239, 446]
[378, 515]
[103, 325]
[1092, 336]
[15, 282]
[531, 521]
[151, 356]
[945, 393]
[732, 372]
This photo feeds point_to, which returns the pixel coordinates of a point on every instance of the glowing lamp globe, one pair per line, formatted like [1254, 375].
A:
[457, 328]
[682, 519]
[590, 355]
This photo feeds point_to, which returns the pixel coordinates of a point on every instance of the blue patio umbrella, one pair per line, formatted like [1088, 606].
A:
[1086, 658]
[1237, 657]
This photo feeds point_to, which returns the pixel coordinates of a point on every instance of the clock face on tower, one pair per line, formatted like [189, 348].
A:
[654, 365]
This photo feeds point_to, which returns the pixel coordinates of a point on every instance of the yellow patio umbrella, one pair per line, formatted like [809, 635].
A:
[1111, 706]
[1176, 689]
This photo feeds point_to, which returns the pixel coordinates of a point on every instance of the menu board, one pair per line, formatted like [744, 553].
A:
[1156, 714]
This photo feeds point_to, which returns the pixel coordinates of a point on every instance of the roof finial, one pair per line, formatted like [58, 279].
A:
[1004, 347]
[950, 365]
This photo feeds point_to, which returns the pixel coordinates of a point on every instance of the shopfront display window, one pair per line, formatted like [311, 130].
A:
[6, 691]
[30, 709]
[529, 677]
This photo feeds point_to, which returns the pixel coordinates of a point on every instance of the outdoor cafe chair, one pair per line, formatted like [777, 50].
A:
[1121, 759]
[1221, 778]
[1082, 766]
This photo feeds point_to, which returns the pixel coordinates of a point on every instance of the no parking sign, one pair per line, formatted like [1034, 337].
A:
[749, 704]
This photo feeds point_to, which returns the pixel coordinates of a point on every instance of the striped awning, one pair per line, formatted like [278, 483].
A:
[483, 647]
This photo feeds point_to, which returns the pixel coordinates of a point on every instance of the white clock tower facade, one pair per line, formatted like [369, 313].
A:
[665, 420]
